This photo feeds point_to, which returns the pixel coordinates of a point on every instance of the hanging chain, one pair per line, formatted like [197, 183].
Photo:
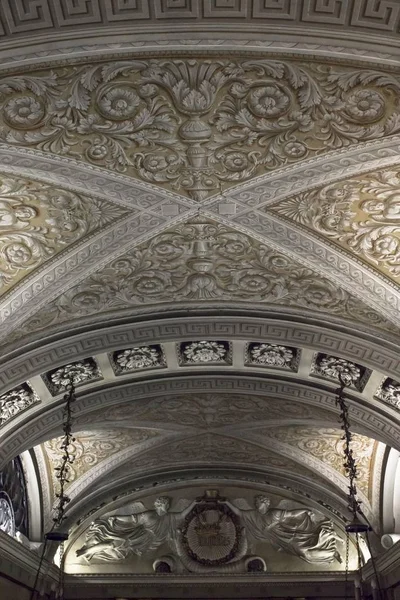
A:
[349, 464]
[62, 475]
[63, 471]
[350, 467]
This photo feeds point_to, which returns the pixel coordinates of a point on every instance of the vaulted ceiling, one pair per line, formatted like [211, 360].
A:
[205, 225]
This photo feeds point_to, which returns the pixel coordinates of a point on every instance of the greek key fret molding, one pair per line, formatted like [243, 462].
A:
[367, 421]
[374, 354]
[53, 17]
[79, 172]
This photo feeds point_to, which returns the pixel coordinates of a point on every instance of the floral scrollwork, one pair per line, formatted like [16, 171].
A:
[37, 221]
[197, 125]
[362, 214]
[202, 261]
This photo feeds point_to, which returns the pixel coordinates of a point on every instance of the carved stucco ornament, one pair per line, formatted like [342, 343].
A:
[37, 221]
[361, 214]
[211, 533]
[271, 355]
[78, 373]
[327, 445]
[16, 401]
[334, 368]
[202, 261]
[91, 448]
[204, 351]
[389, 392]
[197, 125]
[140, 357]
[204, 410]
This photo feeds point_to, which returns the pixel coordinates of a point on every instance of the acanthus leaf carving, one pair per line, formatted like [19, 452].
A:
[360, 214]
[140, 357]
[197, 125]
[201, 261]
[76, 373]
[271, 355]
[336, 368]
[37, 221]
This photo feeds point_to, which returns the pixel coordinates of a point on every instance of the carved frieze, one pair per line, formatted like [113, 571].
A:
[264, 354]
[389, 392]
[197, 125]
[334, 367]
[138, 358]
[16, 401]
[78, 373]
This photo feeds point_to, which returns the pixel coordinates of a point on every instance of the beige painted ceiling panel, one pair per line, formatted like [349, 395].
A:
[38, 221]
[361, 214]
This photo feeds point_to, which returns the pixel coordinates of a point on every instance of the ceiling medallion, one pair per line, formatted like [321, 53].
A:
[333, 367]
[389, 392]
[79, 372]
[16, 401]
[138, 358]
[271, 355]
[204, 352]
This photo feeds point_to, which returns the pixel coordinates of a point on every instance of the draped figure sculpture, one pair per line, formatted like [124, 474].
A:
[135, 530]
[115, 537]
[299, 532]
